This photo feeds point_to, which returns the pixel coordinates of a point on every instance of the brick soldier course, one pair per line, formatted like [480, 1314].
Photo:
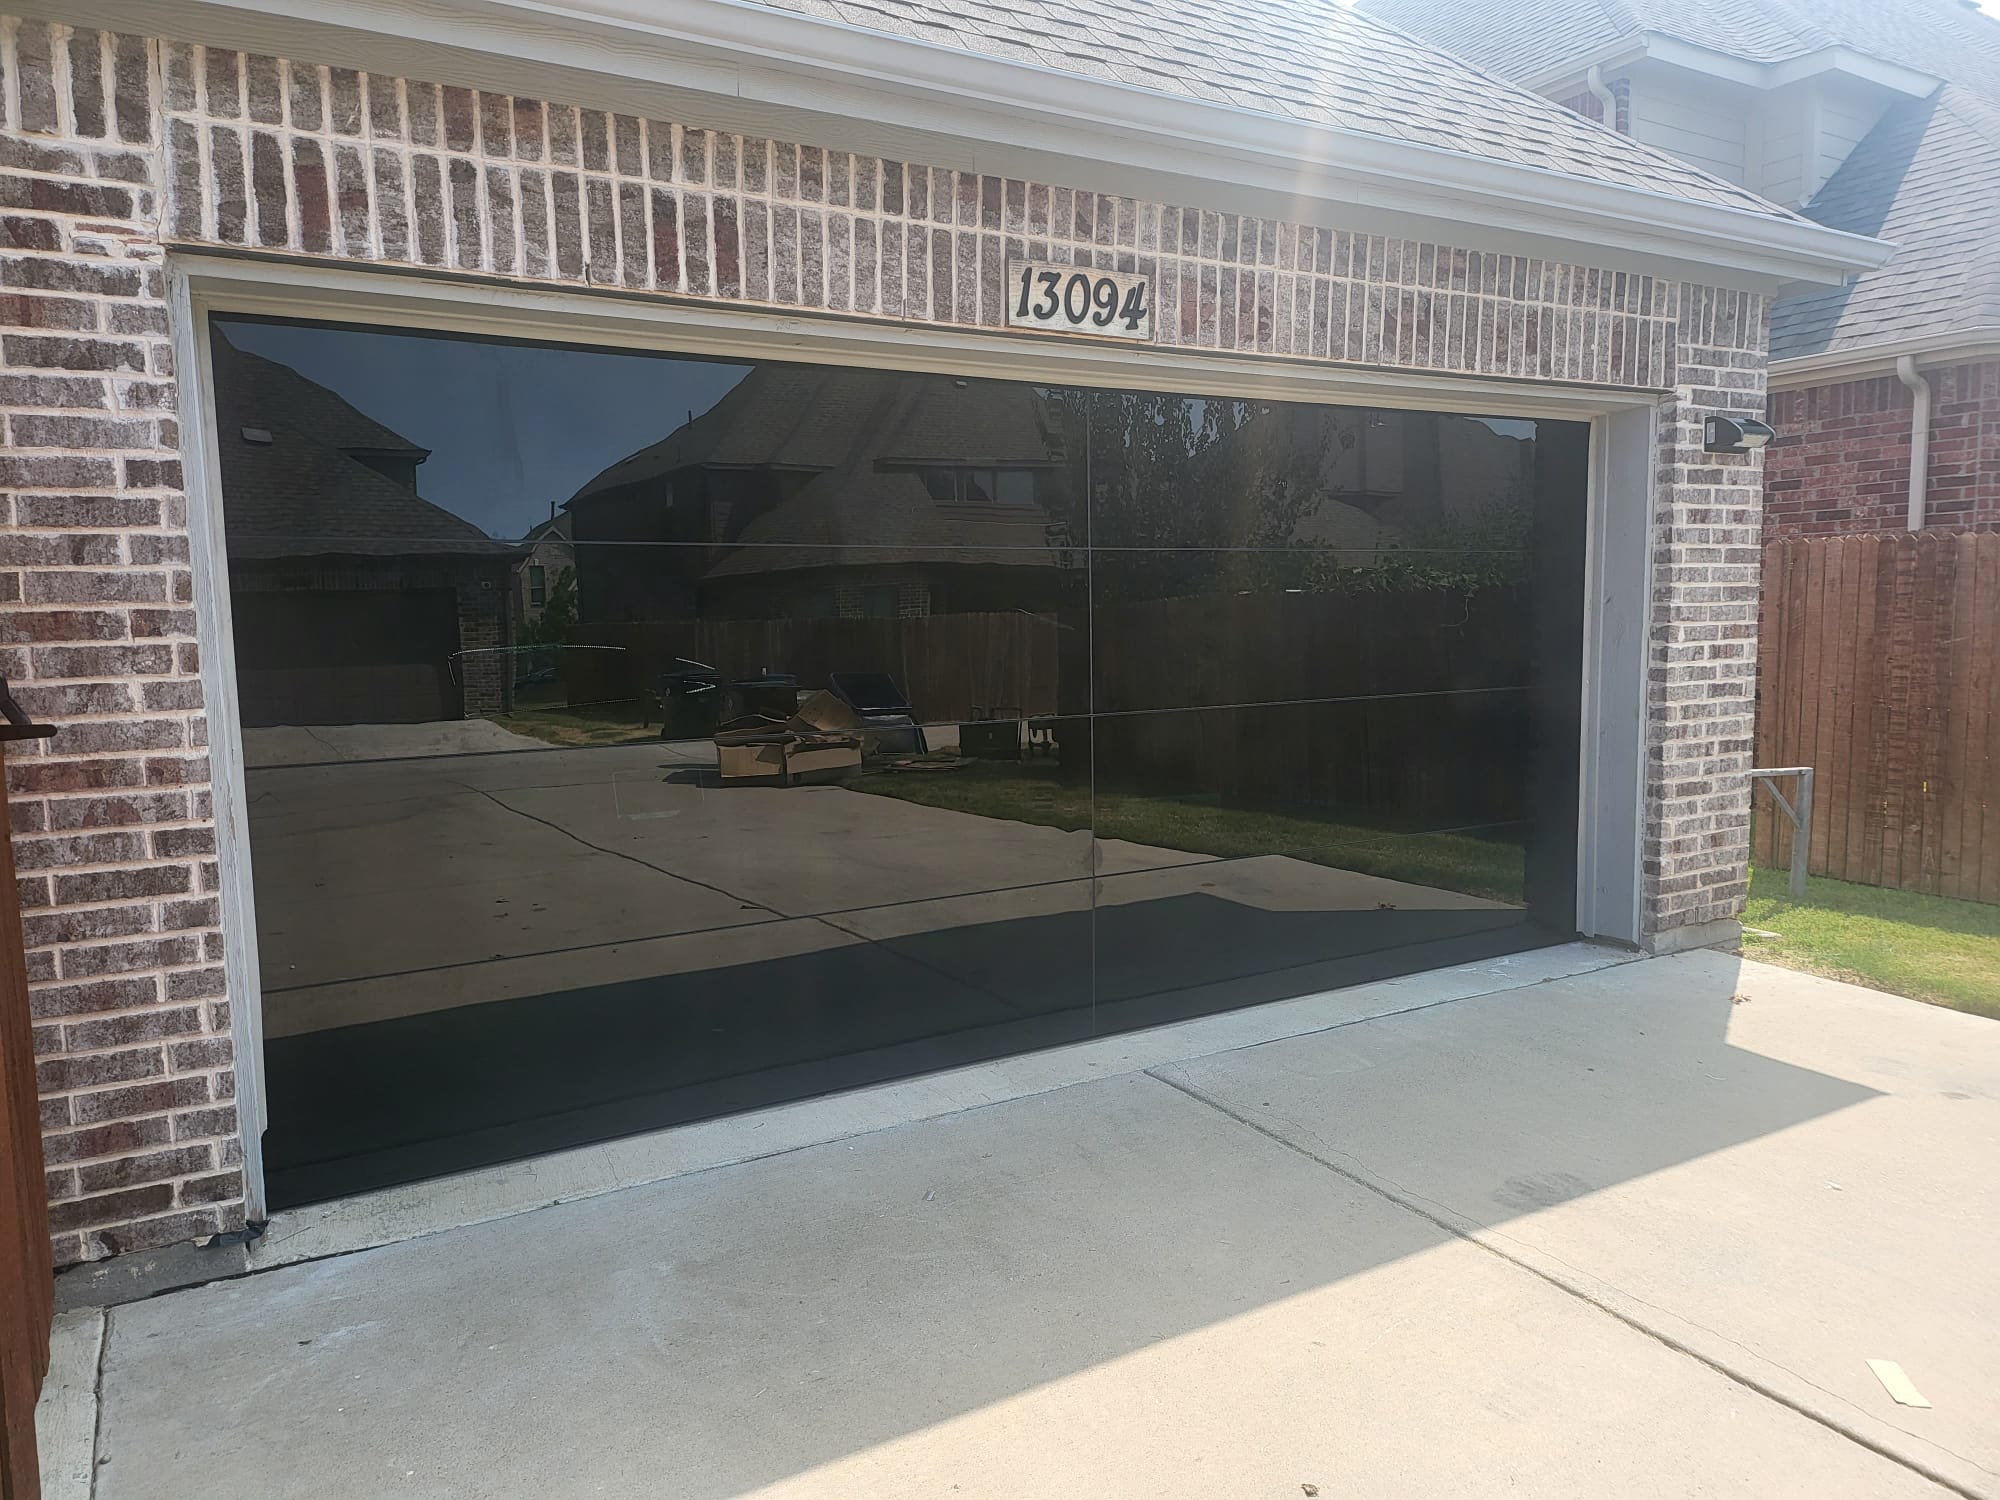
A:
[117, 149]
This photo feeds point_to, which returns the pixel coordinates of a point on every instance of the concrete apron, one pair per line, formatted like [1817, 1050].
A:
[1630, 1232]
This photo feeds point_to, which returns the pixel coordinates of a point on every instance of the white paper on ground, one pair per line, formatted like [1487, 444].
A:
[1896, 1383]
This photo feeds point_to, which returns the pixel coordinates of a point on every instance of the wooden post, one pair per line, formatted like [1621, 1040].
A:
[27, 1285]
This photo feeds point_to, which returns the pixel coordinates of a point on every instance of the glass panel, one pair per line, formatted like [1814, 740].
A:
[1335, 671]
[632, 739]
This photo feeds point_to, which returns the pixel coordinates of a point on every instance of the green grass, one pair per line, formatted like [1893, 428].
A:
[1926, 947]
[1032, 792]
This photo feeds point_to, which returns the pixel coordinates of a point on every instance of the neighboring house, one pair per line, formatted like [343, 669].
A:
[354, 598]
[955, 487]
[1321, 210]
[1881, 117]
[546, 555]
[1369, 481]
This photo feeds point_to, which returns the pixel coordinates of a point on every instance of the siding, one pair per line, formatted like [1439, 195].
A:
[1709, 127]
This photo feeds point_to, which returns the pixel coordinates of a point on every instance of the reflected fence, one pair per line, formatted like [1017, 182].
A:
[1345, 699]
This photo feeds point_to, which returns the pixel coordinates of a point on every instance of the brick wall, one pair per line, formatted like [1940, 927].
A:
[1702, 668]
[116, 148]
[1841, 462]
[112, 820]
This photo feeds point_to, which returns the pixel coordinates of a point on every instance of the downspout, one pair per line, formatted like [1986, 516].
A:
[1920, 436]
[1607, 101]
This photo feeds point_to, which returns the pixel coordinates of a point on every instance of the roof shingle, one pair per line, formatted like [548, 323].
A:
[1314, 61]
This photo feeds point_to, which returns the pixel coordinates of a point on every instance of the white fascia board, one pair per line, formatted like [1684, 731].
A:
[1653, 47]
[1009, 117]
[1964, 346]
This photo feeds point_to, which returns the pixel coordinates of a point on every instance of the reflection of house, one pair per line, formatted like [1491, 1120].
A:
[956, 490]
[546, 556]
[1340, 477]
[354, 599]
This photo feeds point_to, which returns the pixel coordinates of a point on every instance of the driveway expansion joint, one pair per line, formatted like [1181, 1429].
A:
[1447, 1222]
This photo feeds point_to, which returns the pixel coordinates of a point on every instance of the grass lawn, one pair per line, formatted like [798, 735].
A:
[1033, 792]
[1925, 947]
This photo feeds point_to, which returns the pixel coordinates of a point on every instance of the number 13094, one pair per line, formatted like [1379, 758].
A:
[1076, 299]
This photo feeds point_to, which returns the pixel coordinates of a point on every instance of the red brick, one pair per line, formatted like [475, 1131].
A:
[91, 1070]
[157, 1166]
[116, 811]
[140, 1099]
[196, 984]
[118, 1138]
[126, 1238]
[123, 885]
[43, 929]
[218, 1188]
[57, 1002]
[111, 1208]
[88, 961]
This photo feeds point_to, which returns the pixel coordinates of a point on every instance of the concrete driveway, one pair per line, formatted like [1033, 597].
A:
[436, 873]
[1632, 1232]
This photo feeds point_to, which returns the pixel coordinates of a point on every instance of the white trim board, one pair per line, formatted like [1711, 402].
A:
[795, 76]
[1610, 806]
[406, 1213]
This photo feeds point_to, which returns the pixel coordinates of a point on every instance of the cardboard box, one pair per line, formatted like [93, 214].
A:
[748, 762]
[822, 762]
[823, 711]
[763, 750]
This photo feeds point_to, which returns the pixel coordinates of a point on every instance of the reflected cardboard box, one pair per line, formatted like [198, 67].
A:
[820, 742]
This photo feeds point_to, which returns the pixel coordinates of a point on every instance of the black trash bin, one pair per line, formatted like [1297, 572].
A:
[691, 700]
[889, 723]
[773, 695]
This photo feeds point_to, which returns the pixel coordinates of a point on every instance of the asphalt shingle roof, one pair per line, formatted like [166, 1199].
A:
[1314, 61]
[300, 494]
[864, 431]
[1928, 178]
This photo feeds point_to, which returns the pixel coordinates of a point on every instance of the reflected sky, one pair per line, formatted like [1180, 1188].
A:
[512, 428]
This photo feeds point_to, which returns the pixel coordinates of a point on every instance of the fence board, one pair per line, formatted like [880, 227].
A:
[1879, 666]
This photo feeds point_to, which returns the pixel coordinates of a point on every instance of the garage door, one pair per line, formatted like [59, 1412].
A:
[328, 657]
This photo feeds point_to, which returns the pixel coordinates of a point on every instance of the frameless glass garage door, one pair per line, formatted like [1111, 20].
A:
[634, 739]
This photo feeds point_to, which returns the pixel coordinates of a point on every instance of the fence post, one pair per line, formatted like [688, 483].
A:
[1802, 835]
[1800, 815]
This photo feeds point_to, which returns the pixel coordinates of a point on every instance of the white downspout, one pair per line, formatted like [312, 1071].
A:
[1594, 81]
[1920, 436]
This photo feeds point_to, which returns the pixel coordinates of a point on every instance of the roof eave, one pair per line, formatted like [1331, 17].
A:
[738, 64]
[1960, 346]
[1653, 46]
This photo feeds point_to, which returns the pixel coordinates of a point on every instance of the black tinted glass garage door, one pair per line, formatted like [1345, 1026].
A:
[634, 739]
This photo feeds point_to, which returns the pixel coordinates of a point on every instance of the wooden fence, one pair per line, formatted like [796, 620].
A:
[1357, 700]
[1879, 667]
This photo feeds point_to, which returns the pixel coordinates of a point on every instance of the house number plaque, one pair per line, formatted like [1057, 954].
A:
[1078, 299]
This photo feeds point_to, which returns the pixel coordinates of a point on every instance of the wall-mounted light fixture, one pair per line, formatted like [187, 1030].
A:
[1735, 434]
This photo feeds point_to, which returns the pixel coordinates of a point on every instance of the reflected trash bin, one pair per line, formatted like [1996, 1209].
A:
[691, 700]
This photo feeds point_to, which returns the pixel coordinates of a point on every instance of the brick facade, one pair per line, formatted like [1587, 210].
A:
[1841, 462]
[117, 148]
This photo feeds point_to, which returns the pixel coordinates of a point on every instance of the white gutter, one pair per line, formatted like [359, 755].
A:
[1920, 436]
[1967, 346]
[1606, 100]
[724, 61]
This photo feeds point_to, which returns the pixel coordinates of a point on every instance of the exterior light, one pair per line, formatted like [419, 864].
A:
[1735, 434]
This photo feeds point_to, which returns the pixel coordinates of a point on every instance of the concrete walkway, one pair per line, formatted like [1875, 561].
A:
[1634, 1232]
